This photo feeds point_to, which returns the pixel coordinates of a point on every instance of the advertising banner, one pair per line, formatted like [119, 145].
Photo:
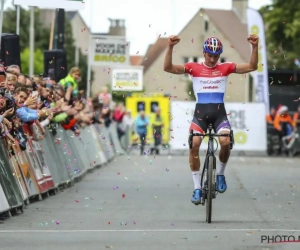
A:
[109, 51]
[260, 76]
[127, 79]
[53, 4]
[247, 122]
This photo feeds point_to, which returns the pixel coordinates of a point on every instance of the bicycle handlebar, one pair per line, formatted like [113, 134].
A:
[214, 135]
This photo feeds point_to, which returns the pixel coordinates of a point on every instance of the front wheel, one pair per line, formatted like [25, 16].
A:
[210, 185]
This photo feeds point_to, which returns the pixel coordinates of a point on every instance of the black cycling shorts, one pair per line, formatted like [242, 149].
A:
[210, 113]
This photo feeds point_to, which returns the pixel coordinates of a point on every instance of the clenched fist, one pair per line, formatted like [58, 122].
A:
[173, 40]
[253, 39]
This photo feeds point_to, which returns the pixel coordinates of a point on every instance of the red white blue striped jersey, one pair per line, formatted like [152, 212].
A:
[209, 84]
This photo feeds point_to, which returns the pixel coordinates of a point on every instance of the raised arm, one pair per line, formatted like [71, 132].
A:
[252, 65]
[168, 65]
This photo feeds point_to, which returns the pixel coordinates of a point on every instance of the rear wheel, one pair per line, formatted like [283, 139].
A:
[210, 185]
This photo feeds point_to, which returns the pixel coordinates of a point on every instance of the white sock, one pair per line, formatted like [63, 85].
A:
[196, 179]
[221, 169]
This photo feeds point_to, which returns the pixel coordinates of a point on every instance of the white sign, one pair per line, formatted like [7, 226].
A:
[109, 52]
[260, 76]
[248, 122]
[55, 4]
[127, 79]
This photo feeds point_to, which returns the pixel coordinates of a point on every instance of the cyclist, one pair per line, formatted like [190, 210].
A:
[209, 84]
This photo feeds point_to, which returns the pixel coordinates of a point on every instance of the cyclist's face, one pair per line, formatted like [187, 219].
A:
[211, 60]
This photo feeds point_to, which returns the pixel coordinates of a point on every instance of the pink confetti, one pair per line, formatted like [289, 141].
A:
[123, 195]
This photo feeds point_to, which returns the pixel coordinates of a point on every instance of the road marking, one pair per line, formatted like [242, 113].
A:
[150, 230]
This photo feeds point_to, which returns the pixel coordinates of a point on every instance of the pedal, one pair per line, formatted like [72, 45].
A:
[202, 201]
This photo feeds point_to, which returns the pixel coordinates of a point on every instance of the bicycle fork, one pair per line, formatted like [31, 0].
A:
[204, 179]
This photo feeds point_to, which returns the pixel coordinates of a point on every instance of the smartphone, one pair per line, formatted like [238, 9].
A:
[34, 93]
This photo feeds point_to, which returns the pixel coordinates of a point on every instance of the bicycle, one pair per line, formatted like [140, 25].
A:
[208, 177]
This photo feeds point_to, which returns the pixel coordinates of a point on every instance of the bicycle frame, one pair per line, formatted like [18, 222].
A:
[210, 152]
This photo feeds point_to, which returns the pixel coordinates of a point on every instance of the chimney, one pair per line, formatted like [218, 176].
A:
[117, 27]
[240, 9]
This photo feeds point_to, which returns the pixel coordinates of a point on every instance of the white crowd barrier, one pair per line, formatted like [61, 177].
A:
[57, 161]
[247, 120]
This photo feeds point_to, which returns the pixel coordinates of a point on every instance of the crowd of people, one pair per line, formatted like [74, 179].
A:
[284, 125]
[41, 101]
[282, 121]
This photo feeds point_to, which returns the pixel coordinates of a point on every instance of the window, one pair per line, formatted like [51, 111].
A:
[223, 59]
[206, 25]
[195, 59]
[186, 59]
[154, 105]
[141, 106]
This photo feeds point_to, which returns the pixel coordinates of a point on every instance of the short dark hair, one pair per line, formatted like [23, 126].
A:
[21, 89]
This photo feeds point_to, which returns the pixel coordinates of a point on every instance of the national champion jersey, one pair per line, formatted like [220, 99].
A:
[209, 84]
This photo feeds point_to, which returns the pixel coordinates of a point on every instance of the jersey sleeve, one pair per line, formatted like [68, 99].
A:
[188, 68]
[231, 68]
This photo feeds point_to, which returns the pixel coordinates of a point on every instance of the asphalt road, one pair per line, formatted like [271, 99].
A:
[143, 202]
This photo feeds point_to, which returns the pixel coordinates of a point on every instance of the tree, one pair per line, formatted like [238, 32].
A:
[70, 50]
[282, 24]
[41, 33]
[41, 41]
[38, 61]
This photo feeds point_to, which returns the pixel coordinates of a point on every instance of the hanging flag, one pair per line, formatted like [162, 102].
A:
[53, 4]
[260, 76]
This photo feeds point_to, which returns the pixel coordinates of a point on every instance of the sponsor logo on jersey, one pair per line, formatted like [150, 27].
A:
[210, 87]
[211, 81]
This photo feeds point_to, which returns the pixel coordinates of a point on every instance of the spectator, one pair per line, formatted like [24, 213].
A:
[22, 79]
[71, 80]
[157, 123]
[283, 121]
[14, 69]
[128, 122]
[29, 83]
[11, 81]
[52, 81]
[24, 113]
[271, 116]
[118, 115]
[297, 117]
[104, 95]
[2, 82]
[2, 68]
[46, 92]
[105, 116]
[141, 128]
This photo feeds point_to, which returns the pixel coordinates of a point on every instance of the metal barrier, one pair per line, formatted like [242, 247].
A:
[56, 161]
[8, 180]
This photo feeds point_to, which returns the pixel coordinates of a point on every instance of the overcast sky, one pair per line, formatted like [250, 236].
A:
[168, 16]
[163, 16]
